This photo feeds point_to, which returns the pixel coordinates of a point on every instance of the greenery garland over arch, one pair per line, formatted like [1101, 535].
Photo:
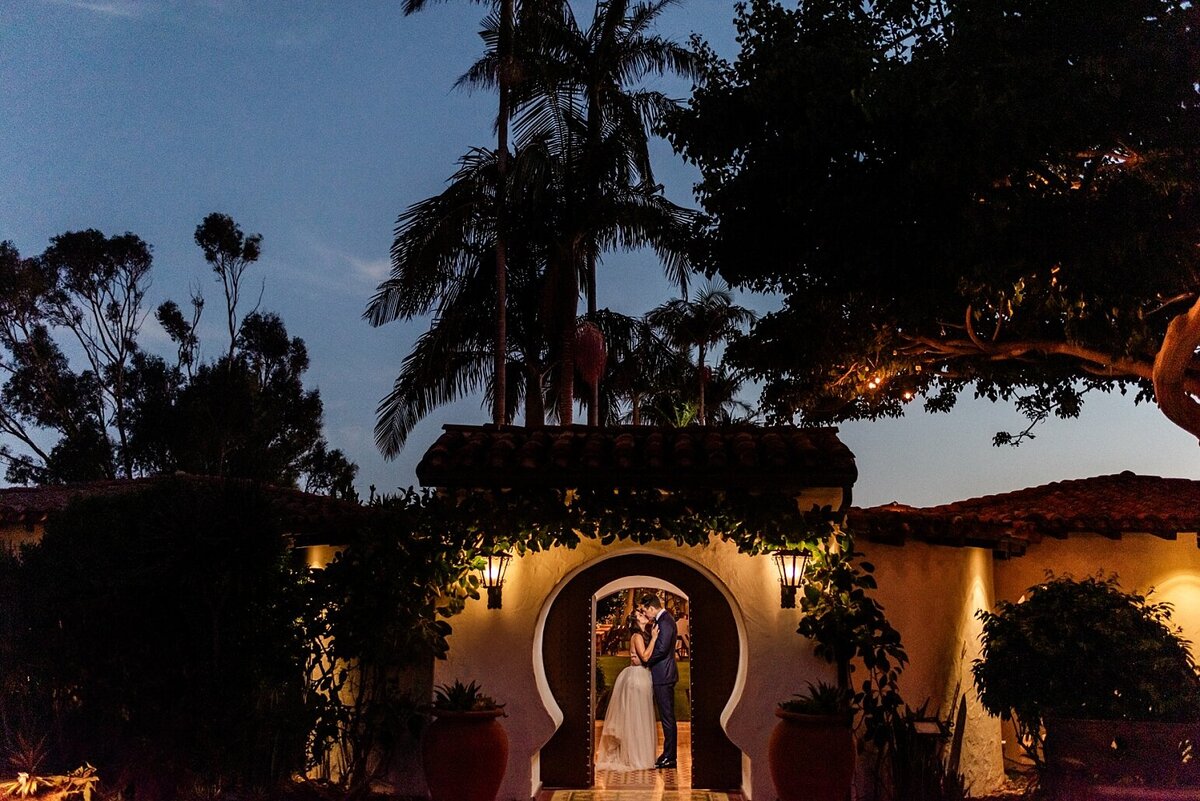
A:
[537, 520]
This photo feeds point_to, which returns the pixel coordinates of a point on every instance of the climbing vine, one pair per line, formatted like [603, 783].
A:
[536, 520]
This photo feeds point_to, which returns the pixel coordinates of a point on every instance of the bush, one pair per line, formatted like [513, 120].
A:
[160, 636]
[1084, 649]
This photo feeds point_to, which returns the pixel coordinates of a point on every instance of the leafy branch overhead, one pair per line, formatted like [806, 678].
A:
[998, 195]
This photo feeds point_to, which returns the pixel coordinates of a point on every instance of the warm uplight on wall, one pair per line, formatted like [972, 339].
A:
[791, 566]
[491, 575]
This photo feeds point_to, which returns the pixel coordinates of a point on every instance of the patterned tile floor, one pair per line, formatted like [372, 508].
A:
[646, 785]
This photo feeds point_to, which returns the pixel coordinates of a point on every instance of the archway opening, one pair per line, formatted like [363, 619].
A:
[568, 651]
[614, 626]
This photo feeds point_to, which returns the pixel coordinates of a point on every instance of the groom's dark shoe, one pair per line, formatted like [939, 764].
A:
[663, 763]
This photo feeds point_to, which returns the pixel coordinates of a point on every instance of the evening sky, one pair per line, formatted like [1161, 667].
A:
[316, 124]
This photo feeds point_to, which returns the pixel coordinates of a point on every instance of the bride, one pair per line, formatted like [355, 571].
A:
[628, 739]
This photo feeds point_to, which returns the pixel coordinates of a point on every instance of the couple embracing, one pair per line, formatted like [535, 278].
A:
[628, 738]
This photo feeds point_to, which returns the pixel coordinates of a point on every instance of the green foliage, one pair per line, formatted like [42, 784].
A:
[381, 613]
[163, 635]
[127, 412]
[79, 783]
[849, 628]
[819, 699]
[577, 184]
[948, 194]
[917, 770]
[459, 697]
[1084, 649]
[536, 520]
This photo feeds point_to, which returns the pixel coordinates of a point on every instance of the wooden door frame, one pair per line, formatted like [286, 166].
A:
[566, 759]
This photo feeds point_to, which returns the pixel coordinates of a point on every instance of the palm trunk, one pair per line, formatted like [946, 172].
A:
[635, 403]
[568, 309]
[703, 419]
[535, 406]
[590, 274]
[504, 48]
[566, 378]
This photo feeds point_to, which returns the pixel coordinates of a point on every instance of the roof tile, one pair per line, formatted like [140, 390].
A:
[781, 458]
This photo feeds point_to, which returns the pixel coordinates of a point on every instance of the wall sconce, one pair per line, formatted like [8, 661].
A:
[492, 576]
[791, 566]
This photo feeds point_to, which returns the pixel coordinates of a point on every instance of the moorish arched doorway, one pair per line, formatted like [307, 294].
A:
[566, 760]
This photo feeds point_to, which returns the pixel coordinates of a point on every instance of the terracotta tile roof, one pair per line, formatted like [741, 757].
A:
[781, 458]
[1112, 505]
[300, 512]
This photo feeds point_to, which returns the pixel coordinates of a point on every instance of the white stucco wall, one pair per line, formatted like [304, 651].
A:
[930, 595]
[1141, 562]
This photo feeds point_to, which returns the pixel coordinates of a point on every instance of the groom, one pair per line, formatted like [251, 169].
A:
[663, 673]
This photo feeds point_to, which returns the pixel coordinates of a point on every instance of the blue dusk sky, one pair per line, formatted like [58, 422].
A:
[316, 124]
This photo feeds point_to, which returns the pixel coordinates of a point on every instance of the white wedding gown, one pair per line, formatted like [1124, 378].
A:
[628, 739]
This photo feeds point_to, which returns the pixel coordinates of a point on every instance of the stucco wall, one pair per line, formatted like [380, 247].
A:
[1141, 562]
[930, 594]
[14, 535]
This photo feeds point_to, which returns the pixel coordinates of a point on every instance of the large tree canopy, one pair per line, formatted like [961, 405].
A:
[1002, 193]
[80, 399]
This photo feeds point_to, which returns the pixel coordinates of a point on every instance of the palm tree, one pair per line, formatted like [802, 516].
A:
[701, 323]
[441, 264]
[568, 69]
[641, 365]
[547, 222]
[506, 71]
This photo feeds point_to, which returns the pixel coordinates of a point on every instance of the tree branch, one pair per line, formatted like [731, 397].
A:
[1174, 390]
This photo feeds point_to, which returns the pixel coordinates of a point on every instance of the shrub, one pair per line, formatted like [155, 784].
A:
[160, 634]
[1084, 649]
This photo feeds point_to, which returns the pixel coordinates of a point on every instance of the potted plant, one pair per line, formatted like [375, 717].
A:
[1085, 666]
[811, 752]
[848, 629]
[465, 749]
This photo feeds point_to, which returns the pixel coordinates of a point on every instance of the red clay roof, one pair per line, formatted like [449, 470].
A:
[779, 458]
[1112, 505]
[300, 512]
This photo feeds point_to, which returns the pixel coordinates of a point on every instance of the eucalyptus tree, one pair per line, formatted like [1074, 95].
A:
[90, 288]
[230, 253]
[81, 399]
[701, 322]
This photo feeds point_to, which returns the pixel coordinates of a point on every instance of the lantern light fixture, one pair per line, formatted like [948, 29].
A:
[791, 565]
[491, 574]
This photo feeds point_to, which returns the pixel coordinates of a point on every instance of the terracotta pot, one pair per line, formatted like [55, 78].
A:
[811, 757]
[465, 755]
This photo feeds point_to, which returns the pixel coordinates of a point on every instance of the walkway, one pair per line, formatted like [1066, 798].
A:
[646, 785]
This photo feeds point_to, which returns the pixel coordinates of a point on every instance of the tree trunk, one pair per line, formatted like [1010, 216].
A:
[504, 50]
[635, 403]
[700, 361]
[566, 377]
[1172, 389]
[568, 305]
[535, 406]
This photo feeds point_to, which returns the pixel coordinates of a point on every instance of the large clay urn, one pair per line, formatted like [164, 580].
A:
[811, 757]
[465, 755]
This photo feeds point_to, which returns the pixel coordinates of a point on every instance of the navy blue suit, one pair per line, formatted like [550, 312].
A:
[665, 674]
